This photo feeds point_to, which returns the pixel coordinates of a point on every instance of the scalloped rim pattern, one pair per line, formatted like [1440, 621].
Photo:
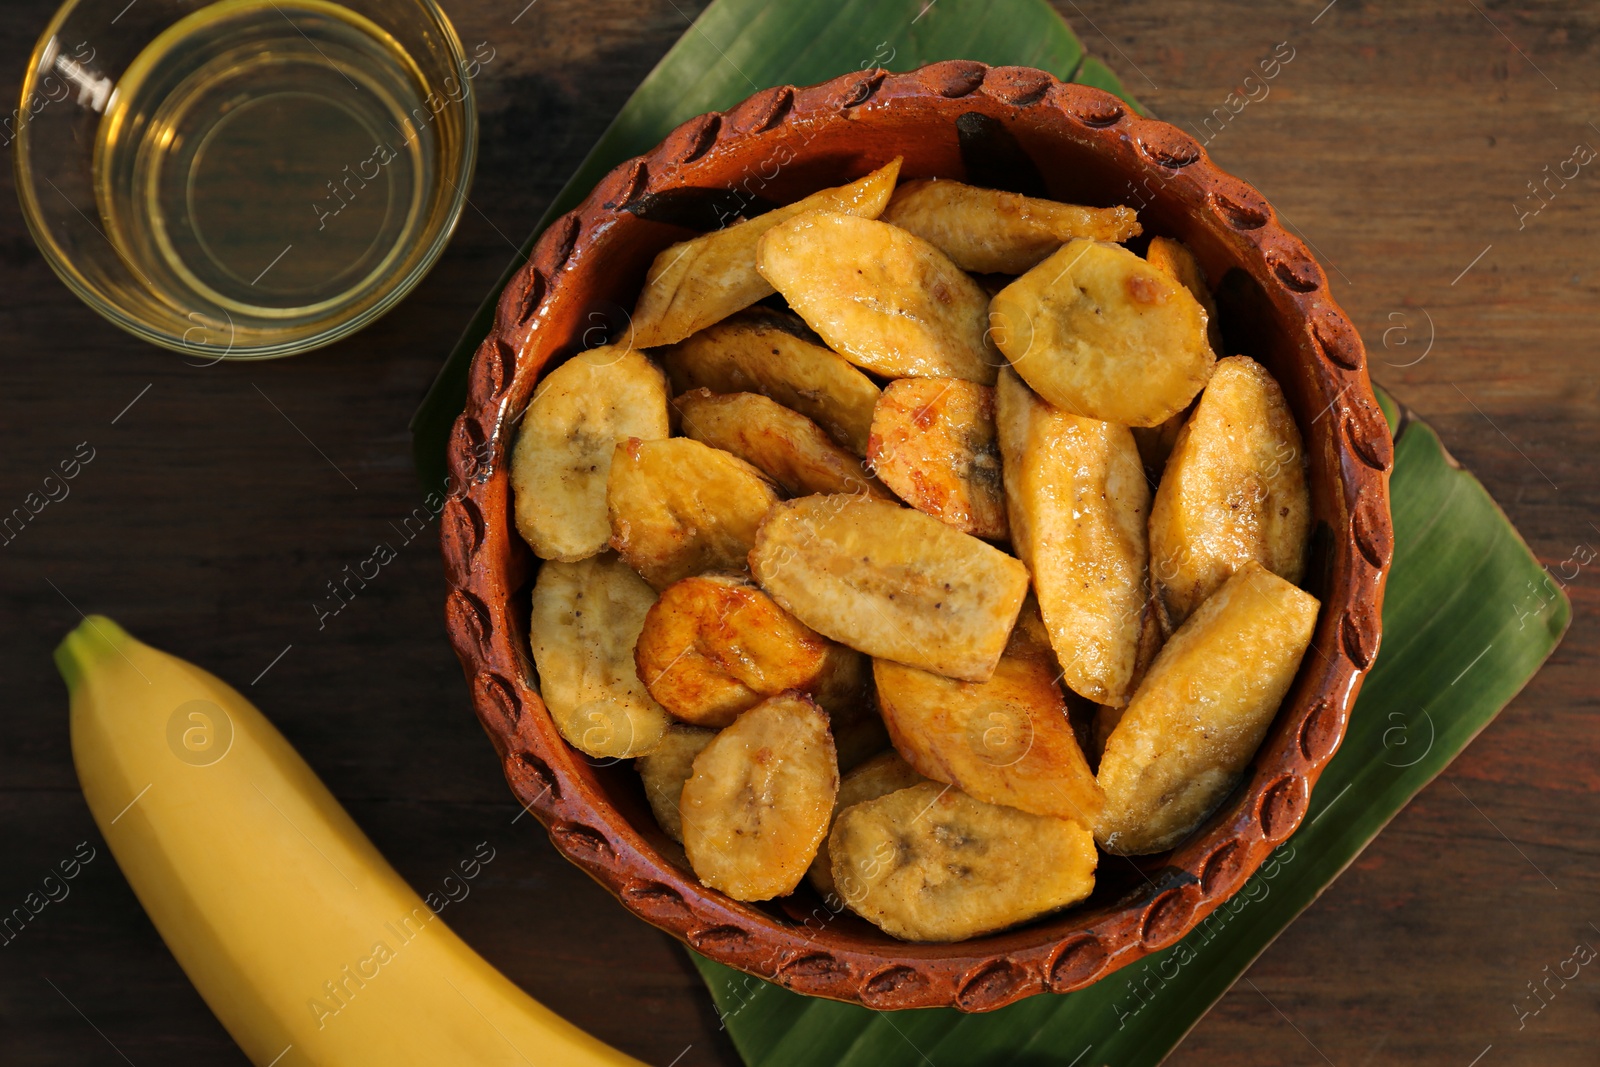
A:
[1060, 953]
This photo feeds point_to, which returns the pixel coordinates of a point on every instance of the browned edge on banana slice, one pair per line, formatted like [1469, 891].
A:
[774, 353]
[1102, 334]
[1175, 258]
[891, 582]
[714, 645]
[930, 863]
[665, 768]
[934, 444]
[882, 298]
[1202, 711]
[758, 803]
[678, 507]
[562, 456]
[585, 620]
[784, 445]
[1234, 490]
[878, 776]
[1078, 504]
[1005, 741]
[991, 231]
[703, 280]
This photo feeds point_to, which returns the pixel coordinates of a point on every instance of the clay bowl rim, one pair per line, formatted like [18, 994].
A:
[539, 320]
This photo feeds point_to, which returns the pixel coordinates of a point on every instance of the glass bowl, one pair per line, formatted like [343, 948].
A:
[250, 178]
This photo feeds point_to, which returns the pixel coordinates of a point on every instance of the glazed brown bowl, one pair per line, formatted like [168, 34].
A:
[1013, 128]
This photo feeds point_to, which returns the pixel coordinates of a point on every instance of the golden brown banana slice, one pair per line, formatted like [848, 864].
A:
[882, 774]
[586, 619]
[784, 445]
[1078, 504]
[930, 863]
[665, 768]
[679, 507]
[1202, 711]
[990, 231]
[773, 353]
[1102, 334]
[563, 453]
[758, 803]
[714, 645]
[1005, 741]
[1174, 258]
[881, 298]
[891, 582]
[703, 280]
[1234, 490]
[933, 443]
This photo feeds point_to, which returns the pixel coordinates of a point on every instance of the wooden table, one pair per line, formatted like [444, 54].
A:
[1399, 143]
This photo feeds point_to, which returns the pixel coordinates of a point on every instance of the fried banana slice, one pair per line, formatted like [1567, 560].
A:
[1102, 334]
[586, 619]
[773, 353]
[930, 863]
[665, 768]
[679, 507]
[714, 645]
[1202, 711]
[1234, 490]
[758, 802]
[1177, 262]
[881, 298]
[1005, 741]
[879, 776]
[562, 456]
[990, 231]
[703, 280]
[1078, 504]
[891, 582]
[933, 443]
[784, 445]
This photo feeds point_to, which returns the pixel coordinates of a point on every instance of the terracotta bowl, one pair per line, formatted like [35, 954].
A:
[1013, 128]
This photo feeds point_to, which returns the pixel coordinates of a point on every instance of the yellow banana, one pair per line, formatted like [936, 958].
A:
[305, 943]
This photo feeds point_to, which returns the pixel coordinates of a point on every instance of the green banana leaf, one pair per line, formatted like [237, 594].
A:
[735, 48]
[1469, 617]
[1466, 597]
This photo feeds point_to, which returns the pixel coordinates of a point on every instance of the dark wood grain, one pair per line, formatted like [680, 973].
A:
[1397, 141]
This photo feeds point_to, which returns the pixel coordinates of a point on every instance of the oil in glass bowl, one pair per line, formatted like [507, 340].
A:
[271, 164]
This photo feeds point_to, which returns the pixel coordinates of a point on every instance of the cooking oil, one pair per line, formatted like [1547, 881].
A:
[273, 162]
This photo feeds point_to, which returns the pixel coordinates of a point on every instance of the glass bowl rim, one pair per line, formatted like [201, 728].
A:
[397, 288]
